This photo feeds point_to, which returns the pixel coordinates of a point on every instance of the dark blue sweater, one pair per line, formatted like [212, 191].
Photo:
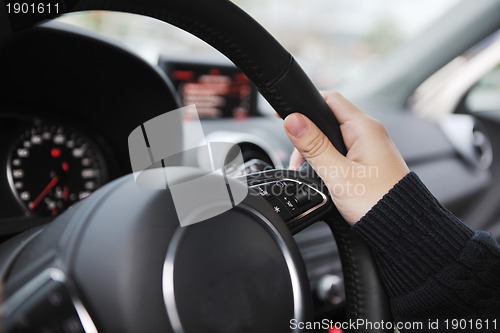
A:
[434, 267]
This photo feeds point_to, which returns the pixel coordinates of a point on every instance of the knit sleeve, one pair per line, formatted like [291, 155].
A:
[434, 267]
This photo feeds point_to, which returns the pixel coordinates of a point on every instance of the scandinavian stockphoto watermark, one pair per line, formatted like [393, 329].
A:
[174, 139]
[353, 178]
[347, 180]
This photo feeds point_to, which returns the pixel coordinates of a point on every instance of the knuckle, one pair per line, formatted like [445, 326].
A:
[316, 146]
[377, 127]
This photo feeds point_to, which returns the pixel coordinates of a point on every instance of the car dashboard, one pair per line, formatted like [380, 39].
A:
[68, 122]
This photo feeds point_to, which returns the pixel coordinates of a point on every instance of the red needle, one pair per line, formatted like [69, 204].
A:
[66, 193]
[45, 191]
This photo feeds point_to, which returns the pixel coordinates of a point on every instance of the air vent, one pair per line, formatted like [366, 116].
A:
[469, 139]
[252, 147]
[482, 149]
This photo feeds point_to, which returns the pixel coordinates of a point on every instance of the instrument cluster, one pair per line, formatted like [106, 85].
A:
[48, 165]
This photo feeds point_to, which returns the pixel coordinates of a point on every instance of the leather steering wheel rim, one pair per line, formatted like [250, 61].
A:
[288, 89]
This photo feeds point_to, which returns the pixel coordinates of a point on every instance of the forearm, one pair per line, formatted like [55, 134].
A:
[433, 265]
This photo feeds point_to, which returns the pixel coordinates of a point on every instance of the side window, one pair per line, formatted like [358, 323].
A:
[469, 83]
[485, 94]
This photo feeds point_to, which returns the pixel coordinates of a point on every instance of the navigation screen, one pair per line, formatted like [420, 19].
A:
[218, 91]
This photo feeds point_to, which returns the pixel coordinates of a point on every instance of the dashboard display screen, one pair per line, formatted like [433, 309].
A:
[218, 91]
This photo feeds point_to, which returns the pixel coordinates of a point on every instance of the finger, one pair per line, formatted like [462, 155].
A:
[342, 108]
[312, 144]
[295, 160]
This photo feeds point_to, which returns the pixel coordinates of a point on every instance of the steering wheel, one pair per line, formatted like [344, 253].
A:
[125, 265]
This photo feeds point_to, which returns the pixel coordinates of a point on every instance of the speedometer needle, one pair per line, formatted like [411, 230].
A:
[45, 191]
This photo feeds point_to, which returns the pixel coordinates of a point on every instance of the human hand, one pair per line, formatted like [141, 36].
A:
[373, 164]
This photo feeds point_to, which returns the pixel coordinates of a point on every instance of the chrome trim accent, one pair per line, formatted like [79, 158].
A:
[81, 311]
[310, 210]
[168, 281]
[292, 268]
[168, 271]
[10, 180]
[54, 274]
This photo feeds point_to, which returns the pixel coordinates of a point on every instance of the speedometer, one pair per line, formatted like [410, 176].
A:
[51, 167]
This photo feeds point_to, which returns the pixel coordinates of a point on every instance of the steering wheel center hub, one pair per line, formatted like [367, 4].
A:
[238, 271]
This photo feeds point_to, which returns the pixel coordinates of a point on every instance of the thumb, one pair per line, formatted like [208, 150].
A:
[313, 145]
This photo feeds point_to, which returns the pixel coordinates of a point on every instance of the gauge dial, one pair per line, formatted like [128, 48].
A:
[51, 167]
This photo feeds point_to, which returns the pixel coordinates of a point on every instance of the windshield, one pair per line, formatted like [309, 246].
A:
[332, 39]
